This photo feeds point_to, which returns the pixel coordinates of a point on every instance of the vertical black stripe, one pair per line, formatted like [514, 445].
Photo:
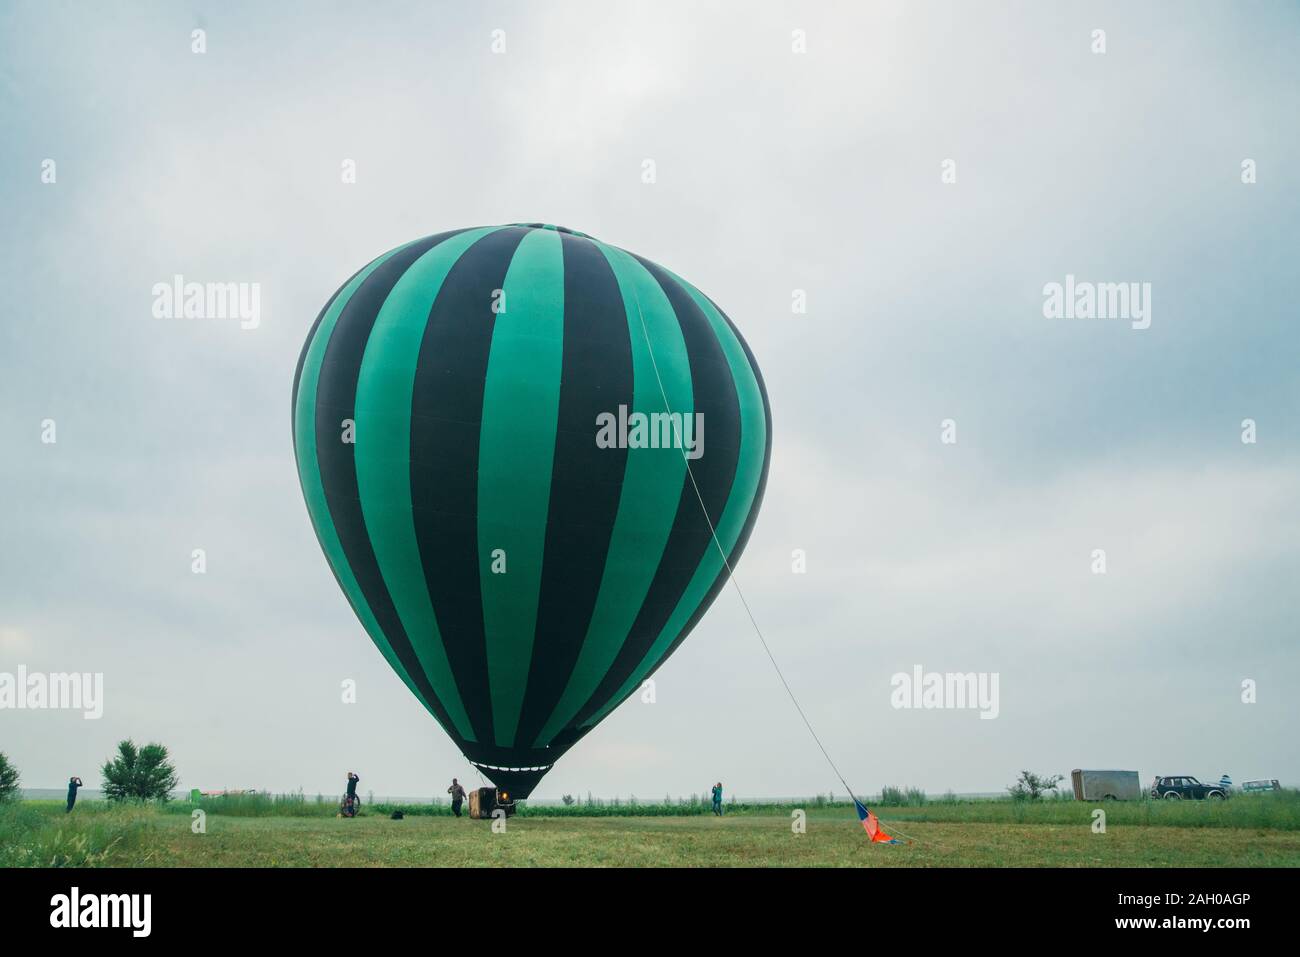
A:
[586, 481]
[302, 358]
[335, 401]
[743, 539]
[715, 471]
[446, 418]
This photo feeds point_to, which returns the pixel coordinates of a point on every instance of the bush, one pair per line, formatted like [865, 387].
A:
[1031, 786]
[261, 804]
[8, 780]
[900, 797]
[139, 774]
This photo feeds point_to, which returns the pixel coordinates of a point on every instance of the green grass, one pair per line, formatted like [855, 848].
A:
[1050, 833]
[40, 834]
[1276, 811]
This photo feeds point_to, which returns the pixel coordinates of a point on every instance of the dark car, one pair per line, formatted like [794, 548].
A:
[1177, 787]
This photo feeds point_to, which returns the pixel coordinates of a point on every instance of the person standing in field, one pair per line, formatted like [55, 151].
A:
[74, 782]
[717, 799]
[350, 801]
[1225, 782]
[457, 796]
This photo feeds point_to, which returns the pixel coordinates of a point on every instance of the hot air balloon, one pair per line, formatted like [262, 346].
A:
[526, 454]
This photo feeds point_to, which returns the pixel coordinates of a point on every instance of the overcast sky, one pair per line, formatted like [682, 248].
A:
[776, 171]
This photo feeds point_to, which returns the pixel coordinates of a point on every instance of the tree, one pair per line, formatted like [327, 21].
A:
[1030, 786]
[8, 780]
[139, 774]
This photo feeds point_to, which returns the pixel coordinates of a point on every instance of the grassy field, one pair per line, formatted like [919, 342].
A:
[976, 834]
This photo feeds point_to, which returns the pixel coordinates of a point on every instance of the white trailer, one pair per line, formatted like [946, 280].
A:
[1105, 785]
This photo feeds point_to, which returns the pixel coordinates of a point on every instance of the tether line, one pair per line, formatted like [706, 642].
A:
[731, 576]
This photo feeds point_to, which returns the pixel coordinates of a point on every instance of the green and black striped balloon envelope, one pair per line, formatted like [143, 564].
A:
[529, 458]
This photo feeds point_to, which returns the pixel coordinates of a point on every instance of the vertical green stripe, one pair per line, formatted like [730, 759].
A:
[383, 458]
[652, 486]
[313, 489]
[521, 402]
[749, 470]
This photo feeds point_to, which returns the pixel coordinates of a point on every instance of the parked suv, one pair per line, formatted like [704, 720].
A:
[1176, 787]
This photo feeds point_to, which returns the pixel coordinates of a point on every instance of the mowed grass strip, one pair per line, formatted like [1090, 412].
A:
[833, 839]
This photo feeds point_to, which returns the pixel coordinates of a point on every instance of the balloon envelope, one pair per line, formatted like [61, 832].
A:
[512, 442]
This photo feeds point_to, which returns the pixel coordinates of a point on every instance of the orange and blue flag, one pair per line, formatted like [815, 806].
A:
[871, 824]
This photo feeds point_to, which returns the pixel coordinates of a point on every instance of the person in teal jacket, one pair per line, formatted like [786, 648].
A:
[717, 799]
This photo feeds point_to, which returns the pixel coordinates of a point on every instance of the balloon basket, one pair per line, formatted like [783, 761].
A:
[485, 802]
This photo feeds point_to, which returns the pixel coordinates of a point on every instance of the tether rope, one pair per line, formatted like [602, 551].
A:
[731, 576]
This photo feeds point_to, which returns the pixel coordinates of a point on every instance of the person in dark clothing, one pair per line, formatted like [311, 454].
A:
[73, 784]
[348, 808]
[717, 799]
[457, 796]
